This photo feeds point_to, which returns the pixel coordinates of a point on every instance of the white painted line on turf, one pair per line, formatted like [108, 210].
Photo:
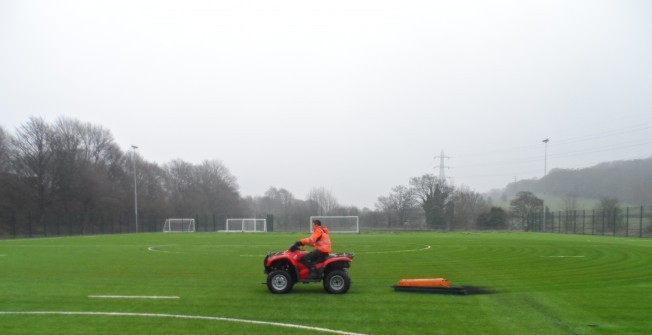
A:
[562, 256]
[154, 249]
[192, 317]
[134, 296]
[427, 247]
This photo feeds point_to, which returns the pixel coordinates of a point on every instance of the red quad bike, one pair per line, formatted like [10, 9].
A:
[284, 269]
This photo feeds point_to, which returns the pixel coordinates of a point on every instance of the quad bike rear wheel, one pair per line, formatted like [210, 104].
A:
[337, 282]
[279, 282]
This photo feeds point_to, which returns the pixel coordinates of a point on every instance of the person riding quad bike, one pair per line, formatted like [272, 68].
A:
[321, 241]
[286, 268]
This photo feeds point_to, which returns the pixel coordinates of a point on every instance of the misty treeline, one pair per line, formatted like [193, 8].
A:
[69, 168]
[628, 181]
[432, 203]
[609, 217]
[72, 169]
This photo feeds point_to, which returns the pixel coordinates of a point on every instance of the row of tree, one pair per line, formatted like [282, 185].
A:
[439, 205]
[527, 210]
[73, 167]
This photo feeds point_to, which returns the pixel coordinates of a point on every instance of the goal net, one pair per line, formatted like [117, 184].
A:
[246, 225]
[338, 224]
[179, 225]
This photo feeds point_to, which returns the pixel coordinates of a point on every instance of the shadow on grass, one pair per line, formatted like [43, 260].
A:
[462, 290]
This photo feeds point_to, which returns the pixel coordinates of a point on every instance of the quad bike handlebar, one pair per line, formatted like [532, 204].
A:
[295, 246]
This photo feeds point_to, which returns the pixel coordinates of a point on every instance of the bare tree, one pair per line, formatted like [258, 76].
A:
[4, 151]
[13, 193]
[398, 205]
[322, 200]
[468, 206]
[179, 186]
[205, 189]
[385, 206]
[151, 192]
[404, 201]
[31, 158]
[278, 202]
[218, 188]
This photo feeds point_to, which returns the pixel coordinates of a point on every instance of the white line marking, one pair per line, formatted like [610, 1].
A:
[135, 296]
[192, 317]
[562, 256]
[153, 248]
[395, 251]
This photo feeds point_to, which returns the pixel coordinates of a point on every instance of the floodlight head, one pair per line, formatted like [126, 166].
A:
[546, 140]
[134, 147]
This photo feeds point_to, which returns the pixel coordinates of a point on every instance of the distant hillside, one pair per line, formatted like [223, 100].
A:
[628, 181]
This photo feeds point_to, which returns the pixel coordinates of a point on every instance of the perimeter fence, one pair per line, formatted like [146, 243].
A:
[624, 222]
[25, 224]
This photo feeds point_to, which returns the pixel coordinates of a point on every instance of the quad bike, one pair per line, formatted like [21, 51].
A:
[284, 269]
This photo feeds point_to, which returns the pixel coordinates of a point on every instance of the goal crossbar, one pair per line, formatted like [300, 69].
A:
[179, 225]
[338, 224]
[246, 225]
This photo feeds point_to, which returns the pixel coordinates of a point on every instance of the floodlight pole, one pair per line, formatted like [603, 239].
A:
[545, 173]
[133, 159]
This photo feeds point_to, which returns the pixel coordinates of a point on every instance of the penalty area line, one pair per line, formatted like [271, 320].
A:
[134, 296]
[191, 317]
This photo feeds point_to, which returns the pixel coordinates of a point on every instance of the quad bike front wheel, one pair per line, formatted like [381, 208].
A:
[279, 282]
[337, 282]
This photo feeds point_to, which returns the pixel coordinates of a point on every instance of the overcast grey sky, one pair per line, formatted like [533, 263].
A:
[354, 96]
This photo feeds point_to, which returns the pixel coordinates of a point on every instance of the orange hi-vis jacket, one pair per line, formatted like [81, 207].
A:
[319, 240]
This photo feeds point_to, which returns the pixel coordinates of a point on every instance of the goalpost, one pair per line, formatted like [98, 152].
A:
[179, 225]
[249, 225]
[338, 224]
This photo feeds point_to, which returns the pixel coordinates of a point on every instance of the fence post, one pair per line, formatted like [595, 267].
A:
[13, 219]
[603, 223]
[614, 222]
[627, 222]
[29, 224]
[559, 217]
[640, 229]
